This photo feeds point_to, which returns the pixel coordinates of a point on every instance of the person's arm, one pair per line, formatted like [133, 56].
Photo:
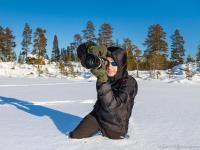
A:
[111, 100]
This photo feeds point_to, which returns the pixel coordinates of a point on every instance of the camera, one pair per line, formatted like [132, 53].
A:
[91, 60]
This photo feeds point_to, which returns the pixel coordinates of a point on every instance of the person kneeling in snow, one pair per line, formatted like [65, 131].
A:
[116, 91]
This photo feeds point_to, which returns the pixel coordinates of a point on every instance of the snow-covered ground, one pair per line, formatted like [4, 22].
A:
[36, 114]
[14, 69]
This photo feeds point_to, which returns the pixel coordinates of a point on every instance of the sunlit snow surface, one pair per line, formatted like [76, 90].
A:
[37, 113]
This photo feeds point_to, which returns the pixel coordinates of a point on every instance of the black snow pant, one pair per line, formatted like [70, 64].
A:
[89, 126]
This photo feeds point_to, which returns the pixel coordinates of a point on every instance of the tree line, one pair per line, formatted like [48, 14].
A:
[157, 55]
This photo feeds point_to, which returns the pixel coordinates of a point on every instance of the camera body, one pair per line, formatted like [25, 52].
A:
[91, 60]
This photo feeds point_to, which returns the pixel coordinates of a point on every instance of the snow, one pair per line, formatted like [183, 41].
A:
[36, 114]
[37, 111]
[51, 70]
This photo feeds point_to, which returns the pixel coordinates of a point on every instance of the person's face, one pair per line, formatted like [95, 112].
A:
[111, 70]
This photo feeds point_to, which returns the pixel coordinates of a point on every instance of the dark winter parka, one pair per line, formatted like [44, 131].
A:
[115, 98]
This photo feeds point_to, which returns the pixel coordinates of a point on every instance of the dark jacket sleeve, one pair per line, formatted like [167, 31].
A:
[110, 99]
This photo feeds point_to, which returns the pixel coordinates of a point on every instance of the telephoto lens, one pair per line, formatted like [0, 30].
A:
[82, 52]
[92, 61]
[92, 55]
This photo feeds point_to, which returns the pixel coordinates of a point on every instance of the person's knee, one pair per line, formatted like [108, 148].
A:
[86, 128]
[73, 135]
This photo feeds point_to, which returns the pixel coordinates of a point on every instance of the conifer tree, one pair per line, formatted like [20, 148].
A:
[39, 48]
[62, 54]
[88, 33]
[138, 59]
[156, 40]
[198, 54]
[55, 57]
[105, 34]
[77, 40]
[26, 41]
[40, 42]
[68, 56]
[156, 51]
[129, 47]
[9, 45]
[76, 43]
[190, 59]
[2, 44]
[177, 48]
[20, 58]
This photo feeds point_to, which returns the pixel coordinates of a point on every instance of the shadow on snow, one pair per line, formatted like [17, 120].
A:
[64, 122]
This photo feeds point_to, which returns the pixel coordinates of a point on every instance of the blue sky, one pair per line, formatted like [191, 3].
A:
[129, 18]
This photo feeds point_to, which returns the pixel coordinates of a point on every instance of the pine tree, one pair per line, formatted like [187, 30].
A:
[14, 56]
[73, 56]
[155, 62]
[68, 56]
[62, 68]
[9, 45]
[77, 42]
[88, 33]
[71, 51]
[177, 48]
[156, 51]
[198, 54]
[40, 43]
[21, 58]
[26, 41]
[55, 57]
[190, 59]
[71, 69]
[128, 46]
[138, 59]
[155, 41]
[105, 34]
[62, 54]
[2, 43]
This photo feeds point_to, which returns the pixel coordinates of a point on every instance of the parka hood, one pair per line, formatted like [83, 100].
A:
[120, 57]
